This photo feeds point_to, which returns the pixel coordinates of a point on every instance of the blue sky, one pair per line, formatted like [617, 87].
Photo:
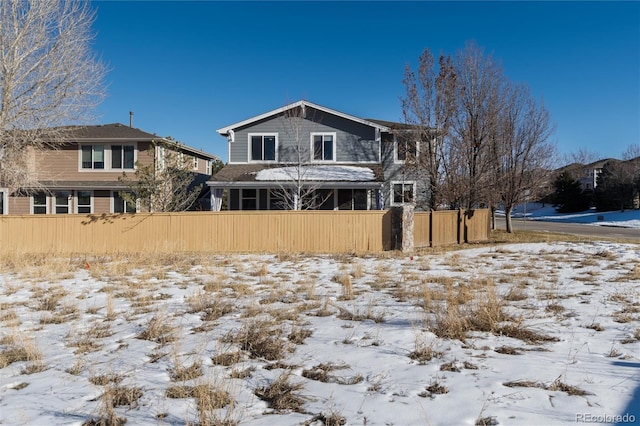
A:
[188, 68]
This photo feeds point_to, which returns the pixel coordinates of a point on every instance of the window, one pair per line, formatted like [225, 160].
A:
[195, 163]
[39, 203]
[249, 199]
[62, 202]
[262, 147]
[3, 201]
[122, 156]
[402, 193]
[122, 206]
[324, 199]
[405, 150]
[323, 146]
[278, 199]
[93, 156]
[83, 204]
[352, 199]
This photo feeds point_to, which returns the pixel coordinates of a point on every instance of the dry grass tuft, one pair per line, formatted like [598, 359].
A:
[227, 359]
[332, 418]
[321, 372]
[347, 286]
[424, 352]
[298, 335]
[508, 350]
[281, 394]
[207, 397]
[118, 396]
[450, 323]
[434, 388]
[22, 351]
[158, 330]
[524, 334]
[105, 379]
[181, 374]
[261, 339]
[556, 385]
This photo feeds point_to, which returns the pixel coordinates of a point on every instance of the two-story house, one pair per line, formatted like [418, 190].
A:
[307, 156]
[82, 175]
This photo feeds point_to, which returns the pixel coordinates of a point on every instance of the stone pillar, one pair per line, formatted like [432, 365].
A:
[402, 228]
[407, 228]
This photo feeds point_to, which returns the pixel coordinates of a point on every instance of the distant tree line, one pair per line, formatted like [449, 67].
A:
[617, 186]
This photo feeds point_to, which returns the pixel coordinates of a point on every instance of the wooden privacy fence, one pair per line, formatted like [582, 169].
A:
[237, 231]
[437, 228]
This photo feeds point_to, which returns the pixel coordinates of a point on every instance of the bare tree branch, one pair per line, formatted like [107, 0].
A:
[49, 78]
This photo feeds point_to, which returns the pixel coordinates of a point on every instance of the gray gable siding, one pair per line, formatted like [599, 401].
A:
[355, 142]
[397, 172]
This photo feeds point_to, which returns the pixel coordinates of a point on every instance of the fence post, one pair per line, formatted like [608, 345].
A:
[461, 224]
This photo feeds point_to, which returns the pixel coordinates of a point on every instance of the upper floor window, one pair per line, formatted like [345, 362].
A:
[324, 146]
[402, 192]
[93, 156]
[122, 156]
[405, 150]
[262, 147]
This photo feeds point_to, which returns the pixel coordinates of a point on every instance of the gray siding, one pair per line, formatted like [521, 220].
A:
[397, 172]
[355, 142]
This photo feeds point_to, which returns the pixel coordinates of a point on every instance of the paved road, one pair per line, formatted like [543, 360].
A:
[573, 228]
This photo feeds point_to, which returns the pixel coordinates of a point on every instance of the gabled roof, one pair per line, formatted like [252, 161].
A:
[110, 131]
[118, 131]
[226, 130]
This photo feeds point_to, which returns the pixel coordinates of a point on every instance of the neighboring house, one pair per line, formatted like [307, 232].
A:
[332, 160]
[81, 176]
[588, 174]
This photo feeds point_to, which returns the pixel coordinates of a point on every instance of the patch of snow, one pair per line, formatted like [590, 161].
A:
[317, 173]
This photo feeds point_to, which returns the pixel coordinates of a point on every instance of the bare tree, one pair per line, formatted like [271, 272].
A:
[520, 148]
[49, 78]
[166, 185]
[297, 188]
[479, 79]
[582, 156]
[428, 109]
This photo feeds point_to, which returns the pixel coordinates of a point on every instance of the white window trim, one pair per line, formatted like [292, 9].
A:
[77, 204]
[312, 150]
[4, 193]
[401, 182]
[112, 203]
[395, 152]
[54, 201]
[108, 157]
[46, 204]
[250, 135]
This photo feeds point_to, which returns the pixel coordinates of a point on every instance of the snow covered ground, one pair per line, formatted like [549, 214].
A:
[520, 334]
[537, 211]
